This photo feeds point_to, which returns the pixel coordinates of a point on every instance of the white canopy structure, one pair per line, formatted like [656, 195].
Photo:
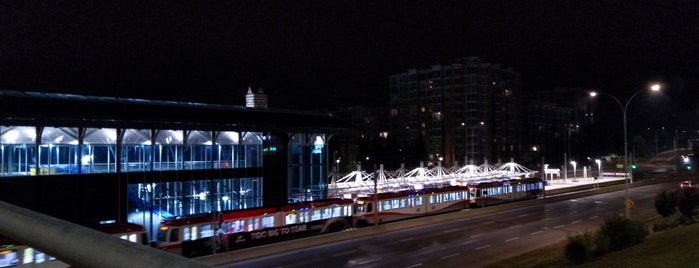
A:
[361, 182]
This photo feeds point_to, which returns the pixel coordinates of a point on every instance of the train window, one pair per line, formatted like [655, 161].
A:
[236, 226]
[187, 233]
[194, 233]
[40, 257]
[369, 207]
[348, 210]
[315, 215]
[403, 202]
[418, 200]
[432, 199]
[253, 224]
[388, 205]
[28, 256]
[290, 218]
[327, 213]
[395, 203]
[129, 237]
[337, 212]
[206, 231]
[175, 235]
[268, 222]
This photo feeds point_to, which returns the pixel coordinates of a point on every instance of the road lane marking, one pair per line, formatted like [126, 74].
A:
[468, 242]
[558, 226]
[414, 265]
[449, 256]
[369, 260]
[479, 248]
[593, 217]
[512, 239]
[344, 253]
[450, 230]
[577, 221]
[522, 215]
[406, 239]
[537, 232]
[476, 235]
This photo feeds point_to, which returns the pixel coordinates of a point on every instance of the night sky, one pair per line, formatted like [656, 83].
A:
[333, 53]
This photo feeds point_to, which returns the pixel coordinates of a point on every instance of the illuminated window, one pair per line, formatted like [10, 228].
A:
[268, 222]
[28, 256]
[290, 218]
[206, 231]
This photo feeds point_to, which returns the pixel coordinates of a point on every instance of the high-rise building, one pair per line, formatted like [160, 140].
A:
[466, 110]
[256, 100]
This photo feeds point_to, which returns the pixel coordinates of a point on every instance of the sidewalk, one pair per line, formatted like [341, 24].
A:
[572, 182]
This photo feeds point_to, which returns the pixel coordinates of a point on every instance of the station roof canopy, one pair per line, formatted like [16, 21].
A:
[55, 109]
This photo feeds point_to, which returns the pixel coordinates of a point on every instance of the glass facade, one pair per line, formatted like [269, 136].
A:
[307, 167]
[70, 150]
[133, 154]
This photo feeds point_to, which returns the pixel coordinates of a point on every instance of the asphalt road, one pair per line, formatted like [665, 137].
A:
[470, 242]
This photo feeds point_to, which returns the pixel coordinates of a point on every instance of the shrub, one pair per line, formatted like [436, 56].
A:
[617, 233]
[666, 202]
[687, 201]
[666, 222]
[579, 248]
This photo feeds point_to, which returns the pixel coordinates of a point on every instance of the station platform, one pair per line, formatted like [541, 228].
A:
[580, 181]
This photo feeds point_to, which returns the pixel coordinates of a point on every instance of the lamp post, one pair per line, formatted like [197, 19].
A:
[624, 108]
[574, 164]
[599, 171]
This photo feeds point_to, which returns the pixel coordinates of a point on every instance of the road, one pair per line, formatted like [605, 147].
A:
[474, 241]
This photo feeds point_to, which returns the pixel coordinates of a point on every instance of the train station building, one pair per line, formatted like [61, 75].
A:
[90, 159]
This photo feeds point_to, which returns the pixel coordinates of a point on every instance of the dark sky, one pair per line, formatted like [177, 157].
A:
[338, 52]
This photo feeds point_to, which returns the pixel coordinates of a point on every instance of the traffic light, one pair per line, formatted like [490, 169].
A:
[633, 166]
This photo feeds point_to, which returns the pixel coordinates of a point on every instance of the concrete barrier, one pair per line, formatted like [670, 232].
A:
[81, 246]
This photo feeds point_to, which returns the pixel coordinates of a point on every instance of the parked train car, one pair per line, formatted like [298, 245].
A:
[13, 254]
[199, 235]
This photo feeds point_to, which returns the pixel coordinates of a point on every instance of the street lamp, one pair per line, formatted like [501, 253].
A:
[574, 164]
[624, 108]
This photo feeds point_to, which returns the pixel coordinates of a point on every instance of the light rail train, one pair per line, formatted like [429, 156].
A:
[199, 235]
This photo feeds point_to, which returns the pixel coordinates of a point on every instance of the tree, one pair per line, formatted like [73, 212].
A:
[666, 202]
[687, 201]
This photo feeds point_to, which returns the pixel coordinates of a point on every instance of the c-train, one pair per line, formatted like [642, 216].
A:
[199, 235]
